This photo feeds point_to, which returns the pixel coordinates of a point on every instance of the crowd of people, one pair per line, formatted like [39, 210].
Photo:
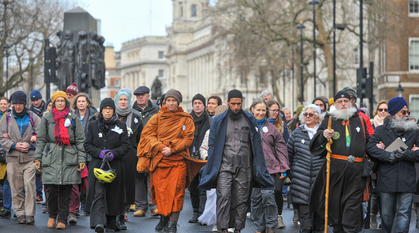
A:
[343, 169]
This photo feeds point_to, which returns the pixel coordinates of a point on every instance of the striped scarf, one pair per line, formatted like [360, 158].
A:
[60, 131]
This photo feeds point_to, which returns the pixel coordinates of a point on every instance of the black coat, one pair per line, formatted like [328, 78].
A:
[304, 166]
[131, 159]
[346, 184]
[96, 141]
[398, 177]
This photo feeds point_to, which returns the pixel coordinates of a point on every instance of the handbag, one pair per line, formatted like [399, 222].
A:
[2, 156]
[368, 163]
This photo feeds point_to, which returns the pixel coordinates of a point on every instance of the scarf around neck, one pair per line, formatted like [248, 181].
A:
[60, 131]
[378, 120]
[106, 124]
[85, 119]
[38, 110]
[21, 114]
[311, 131]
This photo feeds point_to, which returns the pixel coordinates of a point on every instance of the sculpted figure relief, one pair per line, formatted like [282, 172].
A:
[66, 59]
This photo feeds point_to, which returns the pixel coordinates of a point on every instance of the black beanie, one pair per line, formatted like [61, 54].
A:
[199, 97]
[342, 94]
[235, 94]
[321, 99]
[19, 97]
[105, 103]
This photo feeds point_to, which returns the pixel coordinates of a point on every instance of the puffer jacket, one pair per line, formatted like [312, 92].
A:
[304, 165]
[60, 163]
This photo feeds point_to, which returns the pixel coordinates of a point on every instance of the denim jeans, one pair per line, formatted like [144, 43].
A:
[38, 184]
[402, 213]
[7, 196]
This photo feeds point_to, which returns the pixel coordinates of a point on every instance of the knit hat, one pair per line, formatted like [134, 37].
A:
[175, 94]
[35, 95]
[299, 109]
[19, 97]
[56, 95]
[48, 101]
[128, 91]
[342, 94]
[394, 105]
[107, 102]
[72, 89]
[199, 97]
[234, 94]
[350, 91]
[331, 101]
[322, 100]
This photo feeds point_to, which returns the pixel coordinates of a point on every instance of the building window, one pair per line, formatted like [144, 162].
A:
[414, 54]
[413, 6]
[117, 83]
[161, 73]
[356, 56]
[414, 104]
[181, 9]
[193, 10]
[161, 54]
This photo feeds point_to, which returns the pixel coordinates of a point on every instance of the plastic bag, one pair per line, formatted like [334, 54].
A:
[209, 216]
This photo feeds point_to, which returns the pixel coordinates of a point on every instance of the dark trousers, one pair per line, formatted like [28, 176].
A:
[279, 183]
[194, 193]
[58, 201]
[306, 220]
[98, 209]
[38, 184]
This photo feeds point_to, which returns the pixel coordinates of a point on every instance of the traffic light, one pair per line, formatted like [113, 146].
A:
[361, 82]
[83, 82]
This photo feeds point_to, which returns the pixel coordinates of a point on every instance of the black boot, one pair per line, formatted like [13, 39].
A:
[162, 223]
[172, 227]
[120, 222]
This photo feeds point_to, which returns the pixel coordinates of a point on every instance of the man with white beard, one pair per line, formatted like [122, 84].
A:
[346, 166]
[396, 178]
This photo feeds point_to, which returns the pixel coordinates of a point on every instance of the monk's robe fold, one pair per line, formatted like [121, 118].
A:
[169, 176]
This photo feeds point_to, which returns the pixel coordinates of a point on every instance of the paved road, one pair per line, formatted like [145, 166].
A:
[147, 224]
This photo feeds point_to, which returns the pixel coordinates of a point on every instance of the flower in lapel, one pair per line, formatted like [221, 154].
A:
[117, 130]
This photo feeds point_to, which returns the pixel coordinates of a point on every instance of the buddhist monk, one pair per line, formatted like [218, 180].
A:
[163, 151]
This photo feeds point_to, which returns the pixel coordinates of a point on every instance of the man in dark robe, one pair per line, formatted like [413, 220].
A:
[349, 135]
[396, 174]
[202, 123]
[235, 163]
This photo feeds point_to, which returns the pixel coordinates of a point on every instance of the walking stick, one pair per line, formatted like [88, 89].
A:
[329, 153]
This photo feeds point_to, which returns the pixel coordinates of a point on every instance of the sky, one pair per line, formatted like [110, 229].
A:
[125, 20]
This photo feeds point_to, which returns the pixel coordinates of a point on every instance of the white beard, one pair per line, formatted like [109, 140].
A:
[343, 114]
[401, 123]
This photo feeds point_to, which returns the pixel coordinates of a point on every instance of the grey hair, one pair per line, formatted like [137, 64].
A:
[316, 114]
[266, 92]
[260, 101]
[285, 108]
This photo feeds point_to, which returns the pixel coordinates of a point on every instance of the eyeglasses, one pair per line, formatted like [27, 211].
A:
[308, 114]
[382, 109]
[342, 101]
[404, 112]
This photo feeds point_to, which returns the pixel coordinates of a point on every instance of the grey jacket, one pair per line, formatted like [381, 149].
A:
[14, 133]
[59, 163]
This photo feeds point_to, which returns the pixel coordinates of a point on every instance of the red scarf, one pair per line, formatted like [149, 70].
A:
[60, 131]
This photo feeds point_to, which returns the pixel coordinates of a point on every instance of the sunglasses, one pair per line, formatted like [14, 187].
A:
[308, 114]
[382, 109]
[404, 112]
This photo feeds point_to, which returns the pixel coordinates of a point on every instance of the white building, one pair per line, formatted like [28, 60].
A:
[142, 60]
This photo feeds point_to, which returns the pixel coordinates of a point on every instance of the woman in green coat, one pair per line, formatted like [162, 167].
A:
[61, 135]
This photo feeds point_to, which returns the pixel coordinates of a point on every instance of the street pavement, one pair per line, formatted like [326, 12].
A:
[147, 224]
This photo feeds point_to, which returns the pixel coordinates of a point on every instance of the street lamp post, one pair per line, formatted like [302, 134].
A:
[283, 77]
[31, 60]
[292, 69]
[301, 27]
[314, 3]
[399, 90]
[7, 47]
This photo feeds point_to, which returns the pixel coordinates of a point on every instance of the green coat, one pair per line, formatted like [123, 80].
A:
[59, 164]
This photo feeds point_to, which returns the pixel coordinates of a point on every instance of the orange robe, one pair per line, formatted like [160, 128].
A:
[171, 175]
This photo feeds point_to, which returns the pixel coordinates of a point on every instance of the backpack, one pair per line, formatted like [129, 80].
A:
[9, 114]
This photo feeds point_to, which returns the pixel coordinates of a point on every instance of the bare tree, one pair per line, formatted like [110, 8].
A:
[25, 24]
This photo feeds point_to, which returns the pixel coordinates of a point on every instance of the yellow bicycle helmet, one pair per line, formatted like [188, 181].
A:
[104, 176]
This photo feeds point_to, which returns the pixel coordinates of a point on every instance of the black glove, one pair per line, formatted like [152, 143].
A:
[393, 158]
[401, 154]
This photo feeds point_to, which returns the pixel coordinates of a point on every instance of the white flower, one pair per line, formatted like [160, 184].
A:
[129, 131]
